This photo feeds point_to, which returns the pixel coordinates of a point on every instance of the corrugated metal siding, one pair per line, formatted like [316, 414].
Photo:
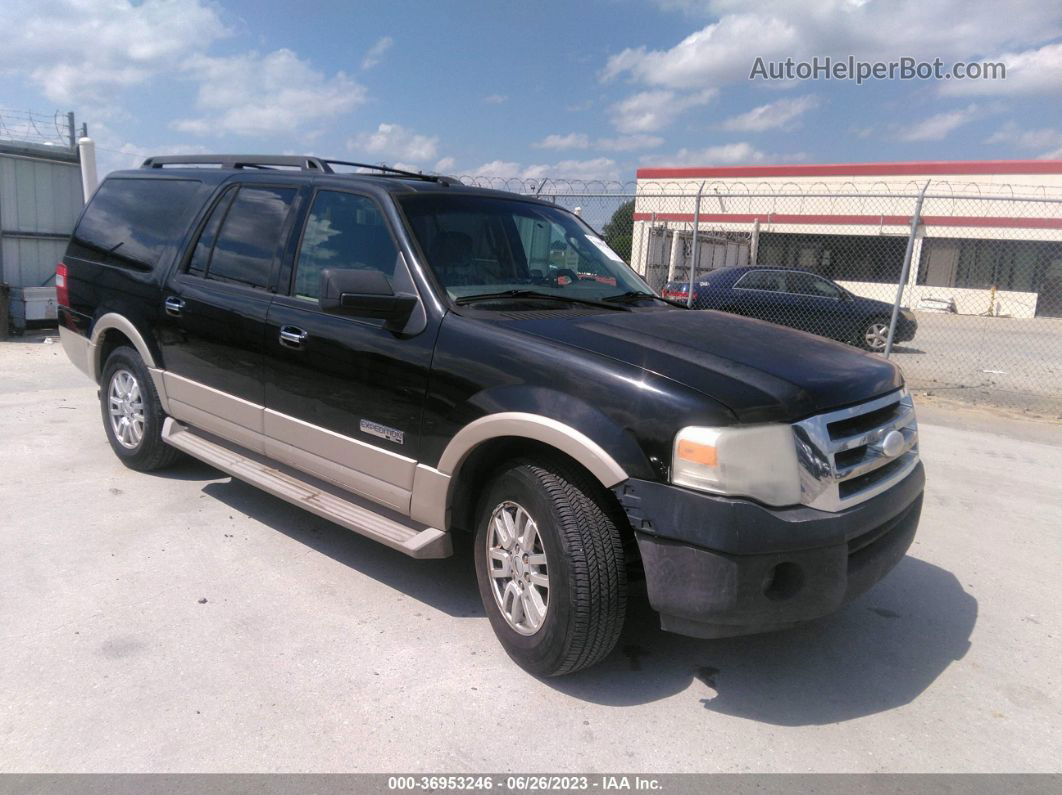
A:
[30, 263]
[37, 197]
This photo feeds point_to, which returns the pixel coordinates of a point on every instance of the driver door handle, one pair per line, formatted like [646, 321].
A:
[174, 305]
[292, 336]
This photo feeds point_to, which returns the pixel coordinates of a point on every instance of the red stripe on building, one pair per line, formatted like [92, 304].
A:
[915, 168]
[860, 220]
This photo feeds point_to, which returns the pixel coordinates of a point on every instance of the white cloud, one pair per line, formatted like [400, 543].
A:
[650, 111]
[396, 142]
[628, 143]
[376, 51]
[80, 51]
[495, 99]
[940, 125]
[720, 52]
[276, 93]
[772, 115]
[741, 30]
[1032, 71]
[569, 141]
[738, 153]
[599, 168]
[445, 165]
[622, 143]
[497, 168]
[1046, 142]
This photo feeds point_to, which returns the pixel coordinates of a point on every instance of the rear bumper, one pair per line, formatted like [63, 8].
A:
[716, 567]
[79, 349]
[905, 330]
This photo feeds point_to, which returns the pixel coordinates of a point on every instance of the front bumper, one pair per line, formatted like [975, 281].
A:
[717, 567]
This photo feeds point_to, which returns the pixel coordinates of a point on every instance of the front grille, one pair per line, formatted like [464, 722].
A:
[850, 455]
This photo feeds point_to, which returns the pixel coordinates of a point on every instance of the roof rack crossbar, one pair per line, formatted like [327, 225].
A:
[387, 170]
[302, 162]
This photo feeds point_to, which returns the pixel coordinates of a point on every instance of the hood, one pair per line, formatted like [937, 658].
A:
[760, 371]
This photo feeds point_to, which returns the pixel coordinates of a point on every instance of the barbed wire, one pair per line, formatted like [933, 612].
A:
[26, 126]
[938, 189]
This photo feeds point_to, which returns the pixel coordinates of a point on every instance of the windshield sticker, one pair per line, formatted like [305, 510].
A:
[608, 252]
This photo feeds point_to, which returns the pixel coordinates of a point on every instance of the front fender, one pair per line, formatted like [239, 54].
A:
[560, 420]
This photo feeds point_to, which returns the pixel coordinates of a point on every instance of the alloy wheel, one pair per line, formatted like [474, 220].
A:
[876, 336]
[125, 406]
[516, 562]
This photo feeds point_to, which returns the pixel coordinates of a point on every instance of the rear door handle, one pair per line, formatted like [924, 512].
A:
[292, 336]
[174, 305]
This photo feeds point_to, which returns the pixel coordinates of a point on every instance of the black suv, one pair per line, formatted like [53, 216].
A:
[412, 358]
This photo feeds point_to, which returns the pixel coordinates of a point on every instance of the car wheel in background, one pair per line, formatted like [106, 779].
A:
[875, 335]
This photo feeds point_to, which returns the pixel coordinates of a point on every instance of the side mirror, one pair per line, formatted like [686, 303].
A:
[364, 293]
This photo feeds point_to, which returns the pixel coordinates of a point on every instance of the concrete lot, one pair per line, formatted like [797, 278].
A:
[1004, 361]
[186, 622]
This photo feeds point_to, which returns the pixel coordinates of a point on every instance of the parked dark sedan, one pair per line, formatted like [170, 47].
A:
[799, 299]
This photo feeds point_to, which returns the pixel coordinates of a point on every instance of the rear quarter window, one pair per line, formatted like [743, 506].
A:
[132, 222]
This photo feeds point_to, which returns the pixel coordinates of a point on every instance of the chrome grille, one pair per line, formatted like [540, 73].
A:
[850, 455]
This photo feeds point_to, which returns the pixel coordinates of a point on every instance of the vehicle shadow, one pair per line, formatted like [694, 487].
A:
[187, 468]
[908, 349]
[448, 585]
[879, 653]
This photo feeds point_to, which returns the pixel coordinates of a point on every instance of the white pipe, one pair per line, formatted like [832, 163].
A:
[87, 150]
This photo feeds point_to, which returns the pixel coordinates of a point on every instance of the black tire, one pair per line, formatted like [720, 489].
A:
[150, 452]
[580, 537]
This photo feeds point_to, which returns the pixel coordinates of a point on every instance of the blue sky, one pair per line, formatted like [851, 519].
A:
[591, 89]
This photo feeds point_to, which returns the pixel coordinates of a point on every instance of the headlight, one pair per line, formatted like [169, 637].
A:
[757, 461]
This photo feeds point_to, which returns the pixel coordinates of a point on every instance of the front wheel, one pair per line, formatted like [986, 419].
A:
[875, 335]
[550, 565]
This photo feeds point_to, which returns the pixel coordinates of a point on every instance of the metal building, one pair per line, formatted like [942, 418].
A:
[40, 198]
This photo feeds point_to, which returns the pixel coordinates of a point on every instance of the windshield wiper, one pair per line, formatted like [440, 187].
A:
[637, 295]
[468, 299]
[629, 296]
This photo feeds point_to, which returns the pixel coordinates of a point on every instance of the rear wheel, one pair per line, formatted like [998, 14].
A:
[132, 413]
[550, 565]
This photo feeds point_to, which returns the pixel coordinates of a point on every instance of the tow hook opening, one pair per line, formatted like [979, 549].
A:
[783, 581]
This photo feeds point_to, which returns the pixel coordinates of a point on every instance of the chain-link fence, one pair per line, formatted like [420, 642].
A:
[961, 285]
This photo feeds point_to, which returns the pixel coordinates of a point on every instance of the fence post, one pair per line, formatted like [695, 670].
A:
[695, 254]
[754, 244]
[676, 248]
[647, 245]
[916, 217]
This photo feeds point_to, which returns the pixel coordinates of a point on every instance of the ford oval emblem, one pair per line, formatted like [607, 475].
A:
[892, 444]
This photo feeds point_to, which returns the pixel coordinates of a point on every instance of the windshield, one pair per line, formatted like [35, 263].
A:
[479, 245]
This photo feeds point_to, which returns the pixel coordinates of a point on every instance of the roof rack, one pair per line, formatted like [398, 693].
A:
[301, 162]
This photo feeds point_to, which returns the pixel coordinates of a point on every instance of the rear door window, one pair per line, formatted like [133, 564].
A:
[133, 222]
[810, 284]
[249, 238]
[773, 281]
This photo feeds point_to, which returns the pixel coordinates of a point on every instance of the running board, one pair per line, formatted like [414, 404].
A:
[318, 498]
